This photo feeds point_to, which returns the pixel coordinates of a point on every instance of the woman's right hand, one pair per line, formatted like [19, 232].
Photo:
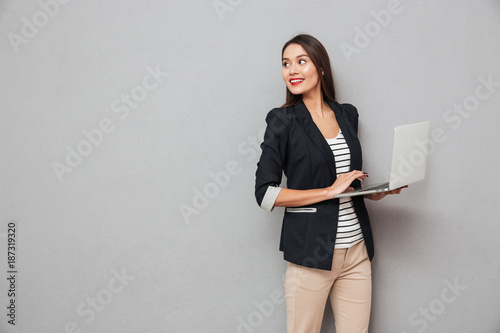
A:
[343, 182]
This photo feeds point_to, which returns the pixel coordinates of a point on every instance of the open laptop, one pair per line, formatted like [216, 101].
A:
[409, 159]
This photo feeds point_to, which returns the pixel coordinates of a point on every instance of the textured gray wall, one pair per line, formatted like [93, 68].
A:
[130, 134]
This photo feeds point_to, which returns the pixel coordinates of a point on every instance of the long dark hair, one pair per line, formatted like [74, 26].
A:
[318, 55]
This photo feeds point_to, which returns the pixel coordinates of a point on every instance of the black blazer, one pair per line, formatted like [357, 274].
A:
[293, 144]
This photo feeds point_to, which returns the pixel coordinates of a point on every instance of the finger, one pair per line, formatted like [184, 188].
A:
[353, 175]
[399, 189]
[362, 175]
[359, 173]
[349, 189]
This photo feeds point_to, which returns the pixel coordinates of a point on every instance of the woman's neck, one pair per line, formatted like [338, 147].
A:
[316, 104]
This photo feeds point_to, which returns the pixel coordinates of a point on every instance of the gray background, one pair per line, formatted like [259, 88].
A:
[219, 269]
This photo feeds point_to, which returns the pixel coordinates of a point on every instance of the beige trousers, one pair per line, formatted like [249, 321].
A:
[349, 285]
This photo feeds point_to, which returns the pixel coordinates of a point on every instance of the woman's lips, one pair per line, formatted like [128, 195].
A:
[296, 81]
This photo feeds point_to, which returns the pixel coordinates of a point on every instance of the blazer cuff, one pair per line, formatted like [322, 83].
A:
[270, 198]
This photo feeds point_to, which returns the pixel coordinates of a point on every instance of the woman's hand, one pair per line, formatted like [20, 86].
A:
[380, 195]
[343, 182]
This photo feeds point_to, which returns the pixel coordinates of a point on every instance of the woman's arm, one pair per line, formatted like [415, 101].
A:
[296, 198]
[270, 166]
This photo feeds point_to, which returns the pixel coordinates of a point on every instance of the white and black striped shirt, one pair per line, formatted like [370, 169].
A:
[348, 230]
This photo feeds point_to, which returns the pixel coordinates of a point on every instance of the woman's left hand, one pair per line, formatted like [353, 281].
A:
[381, 195]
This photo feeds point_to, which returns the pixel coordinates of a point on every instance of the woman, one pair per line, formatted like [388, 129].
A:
[327, 242]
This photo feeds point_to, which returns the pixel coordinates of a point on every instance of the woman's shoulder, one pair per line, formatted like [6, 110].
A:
[349, 108]
[284, 114]
[351, 113]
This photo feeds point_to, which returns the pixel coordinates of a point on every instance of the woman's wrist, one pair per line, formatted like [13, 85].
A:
[330, 193]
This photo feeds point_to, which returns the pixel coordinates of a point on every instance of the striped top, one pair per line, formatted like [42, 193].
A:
[348, 230]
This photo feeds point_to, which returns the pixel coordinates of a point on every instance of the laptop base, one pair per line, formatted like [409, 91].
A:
[383, 187]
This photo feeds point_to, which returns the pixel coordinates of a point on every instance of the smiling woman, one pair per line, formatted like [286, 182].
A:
[327, 242]
[311, 57]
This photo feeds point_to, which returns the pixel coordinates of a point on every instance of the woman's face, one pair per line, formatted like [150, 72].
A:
[299, 72]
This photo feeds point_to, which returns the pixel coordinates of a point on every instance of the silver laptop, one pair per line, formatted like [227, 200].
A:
[409, 159]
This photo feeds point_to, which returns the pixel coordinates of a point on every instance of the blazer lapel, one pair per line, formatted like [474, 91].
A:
[349, 135]
[315, 134]
[319, 140]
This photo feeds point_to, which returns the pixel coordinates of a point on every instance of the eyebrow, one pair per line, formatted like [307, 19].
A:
[301, 55]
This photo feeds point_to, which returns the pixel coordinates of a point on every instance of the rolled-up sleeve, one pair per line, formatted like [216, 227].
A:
[270, 166]
[270, 198]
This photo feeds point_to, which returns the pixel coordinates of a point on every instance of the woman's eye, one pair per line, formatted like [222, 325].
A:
[285, 64]
[302, 61]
